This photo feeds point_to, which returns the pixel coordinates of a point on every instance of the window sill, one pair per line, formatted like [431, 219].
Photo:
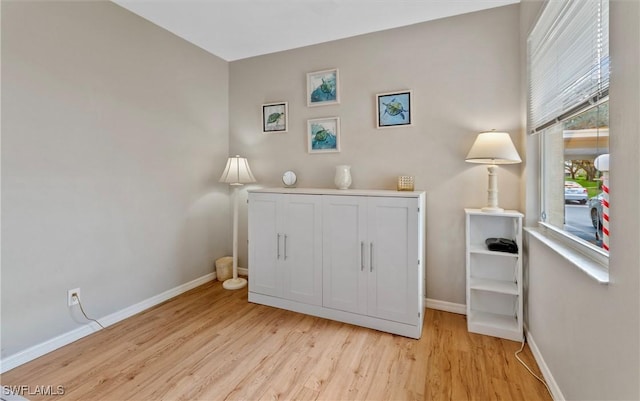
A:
[594, 269]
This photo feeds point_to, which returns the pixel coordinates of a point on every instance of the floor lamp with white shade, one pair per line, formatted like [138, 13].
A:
[236, 173]
[493, 148]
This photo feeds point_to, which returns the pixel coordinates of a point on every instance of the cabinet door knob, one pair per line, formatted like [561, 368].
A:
[361, 255]
[278, 242]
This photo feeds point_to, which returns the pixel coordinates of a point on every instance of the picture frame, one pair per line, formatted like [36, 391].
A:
[393, 109]
[323, 88]
[323, 135]
[275, 117]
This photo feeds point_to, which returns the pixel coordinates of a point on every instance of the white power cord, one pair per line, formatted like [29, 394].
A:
[85, 315]
[529, 369]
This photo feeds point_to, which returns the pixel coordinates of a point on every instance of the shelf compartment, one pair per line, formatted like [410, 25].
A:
[492, 226]
[483, 266]
[494, 325]
[503, 322]
[494, 302]
[498, 286]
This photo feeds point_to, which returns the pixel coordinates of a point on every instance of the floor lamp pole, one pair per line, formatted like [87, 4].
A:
[236, 282]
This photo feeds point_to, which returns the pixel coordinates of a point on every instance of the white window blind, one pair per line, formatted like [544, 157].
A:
[568, 53]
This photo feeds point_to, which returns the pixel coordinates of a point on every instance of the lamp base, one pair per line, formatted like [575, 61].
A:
[234, 283]
[491, 209]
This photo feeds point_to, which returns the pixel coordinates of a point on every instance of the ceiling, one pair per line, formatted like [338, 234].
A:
[237, 29]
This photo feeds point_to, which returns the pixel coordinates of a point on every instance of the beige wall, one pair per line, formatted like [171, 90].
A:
[464, 73]
[114, 132]
[589, 333]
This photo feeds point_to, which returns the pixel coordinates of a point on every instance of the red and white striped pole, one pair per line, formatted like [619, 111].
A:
[602, 164]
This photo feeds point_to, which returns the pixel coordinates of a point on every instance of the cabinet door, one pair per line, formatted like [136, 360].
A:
[265, 244]
[301, 248]
[393, 279]
[344, 253]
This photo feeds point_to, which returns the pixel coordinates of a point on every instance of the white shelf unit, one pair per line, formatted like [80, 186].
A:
[494, 279]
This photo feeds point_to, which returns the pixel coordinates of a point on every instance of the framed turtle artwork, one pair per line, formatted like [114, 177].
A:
[275, 117]
[393, 109]
[322, 88]
[323, 135]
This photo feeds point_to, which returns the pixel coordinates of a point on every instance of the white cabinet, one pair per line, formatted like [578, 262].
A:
[370, 256]
[354, 256]
[286, 242]
[494, 279]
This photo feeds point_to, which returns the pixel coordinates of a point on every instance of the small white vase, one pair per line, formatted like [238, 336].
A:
[343, 177]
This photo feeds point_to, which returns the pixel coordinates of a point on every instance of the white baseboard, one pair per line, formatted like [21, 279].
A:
[460, 309]
[38, 350]
[546, 373]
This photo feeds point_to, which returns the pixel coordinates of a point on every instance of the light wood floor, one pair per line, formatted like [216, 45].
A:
[211, 344]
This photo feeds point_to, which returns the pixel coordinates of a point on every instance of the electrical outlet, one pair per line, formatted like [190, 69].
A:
[73, 297]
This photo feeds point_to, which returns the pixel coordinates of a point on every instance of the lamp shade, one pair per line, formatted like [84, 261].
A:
[493, 148]
[237, 171]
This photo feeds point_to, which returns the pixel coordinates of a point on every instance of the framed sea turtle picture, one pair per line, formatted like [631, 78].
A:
[275, 117]
[323, 135]
[393, 109]
[323, 88]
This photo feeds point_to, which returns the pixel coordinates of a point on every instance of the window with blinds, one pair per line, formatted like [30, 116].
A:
[568, 67]
[568, 60]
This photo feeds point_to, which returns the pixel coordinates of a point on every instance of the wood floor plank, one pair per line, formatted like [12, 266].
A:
[211, 344]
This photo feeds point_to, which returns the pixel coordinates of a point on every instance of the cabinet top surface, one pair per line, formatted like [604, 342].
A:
[345, 192]
[506, 213]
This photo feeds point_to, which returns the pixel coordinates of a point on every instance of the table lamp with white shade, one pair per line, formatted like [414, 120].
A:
[493, 148]
[236, 173]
